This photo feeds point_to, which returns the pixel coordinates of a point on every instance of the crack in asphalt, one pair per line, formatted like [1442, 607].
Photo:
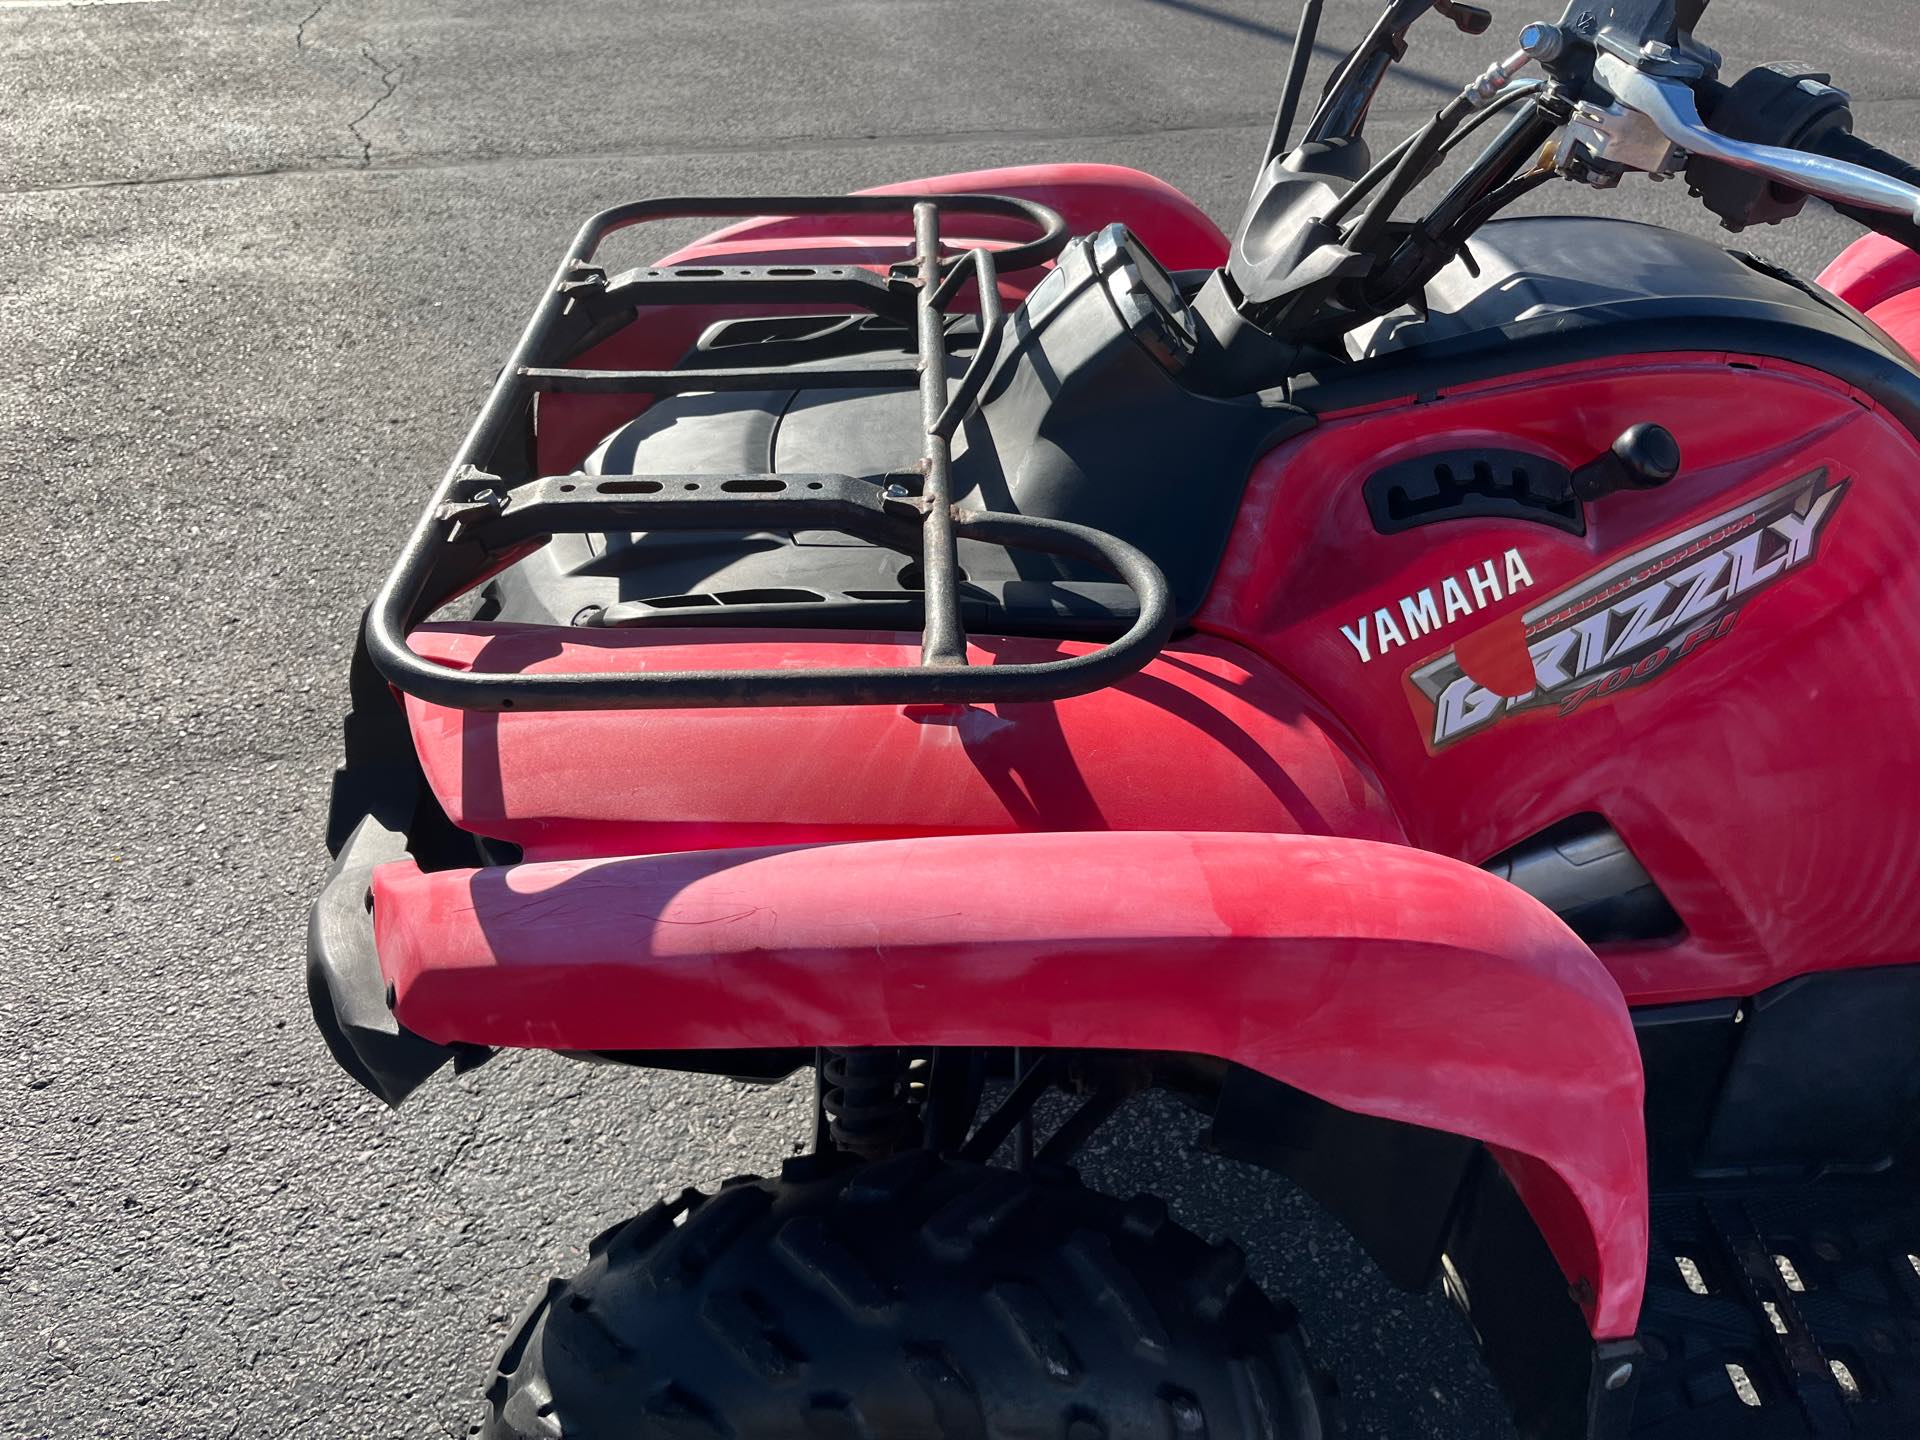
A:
[798, 144]
[392, 77]
[300, 30]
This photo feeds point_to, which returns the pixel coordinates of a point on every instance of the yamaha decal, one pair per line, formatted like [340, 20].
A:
[1419, 613]
[1629, 622]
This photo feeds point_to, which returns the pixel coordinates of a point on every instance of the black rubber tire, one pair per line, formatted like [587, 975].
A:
[912, 1298]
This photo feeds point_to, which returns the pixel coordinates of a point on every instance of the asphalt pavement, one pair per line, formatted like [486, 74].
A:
[258, 263]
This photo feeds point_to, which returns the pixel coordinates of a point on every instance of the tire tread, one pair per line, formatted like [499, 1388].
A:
[917, 1299]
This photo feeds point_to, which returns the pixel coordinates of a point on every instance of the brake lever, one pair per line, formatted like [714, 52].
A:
[1670, 105]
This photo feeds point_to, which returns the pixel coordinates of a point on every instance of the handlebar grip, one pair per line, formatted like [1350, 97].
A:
[1838, 143]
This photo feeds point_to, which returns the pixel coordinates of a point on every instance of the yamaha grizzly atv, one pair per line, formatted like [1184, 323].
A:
[1432, 691]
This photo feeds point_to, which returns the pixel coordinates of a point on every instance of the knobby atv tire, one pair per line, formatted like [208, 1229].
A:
[914, 1299]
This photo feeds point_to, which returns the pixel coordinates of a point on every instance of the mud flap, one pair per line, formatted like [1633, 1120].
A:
[344, 984]
[1557, 1379]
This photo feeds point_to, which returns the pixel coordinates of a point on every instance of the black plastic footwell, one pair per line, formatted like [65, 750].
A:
[1782, 1312]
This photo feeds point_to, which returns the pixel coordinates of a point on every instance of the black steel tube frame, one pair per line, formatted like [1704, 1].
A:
[478, 519]
[1031, 1081]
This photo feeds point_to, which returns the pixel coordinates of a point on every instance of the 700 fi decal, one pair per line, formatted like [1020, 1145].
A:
[1629, 622]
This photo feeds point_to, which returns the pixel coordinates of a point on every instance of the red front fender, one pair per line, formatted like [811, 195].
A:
[1383, 979]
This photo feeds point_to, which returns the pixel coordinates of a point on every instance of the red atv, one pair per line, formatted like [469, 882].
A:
[1434, 692]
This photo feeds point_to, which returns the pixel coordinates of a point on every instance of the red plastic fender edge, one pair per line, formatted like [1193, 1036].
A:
[1383, 979]
[1871, 271]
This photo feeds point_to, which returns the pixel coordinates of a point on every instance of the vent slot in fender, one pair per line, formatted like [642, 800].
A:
[1581, 869]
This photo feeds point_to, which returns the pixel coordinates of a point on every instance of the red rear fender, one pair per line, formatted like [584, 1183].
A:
[1207, 737]
[1383, 979]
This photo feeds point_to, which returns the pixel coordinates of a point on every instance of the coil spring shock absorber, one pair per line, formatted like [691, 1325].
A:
[872, 1099]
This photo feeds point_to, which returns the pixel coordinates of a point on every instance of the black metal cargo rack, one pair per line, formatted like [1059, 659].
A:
[493, 505]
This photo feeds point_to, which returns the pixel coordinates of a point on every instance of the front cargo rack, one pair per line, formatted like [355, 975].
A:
[494, 506]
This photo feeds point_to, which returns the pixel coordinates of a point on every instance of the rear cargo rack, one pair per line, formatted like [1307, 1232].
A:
[493, 506]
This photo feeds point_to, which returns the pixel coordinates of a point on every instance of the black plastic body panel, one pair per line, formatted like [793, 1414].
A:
[1783, 1293]
[1816, 1078]
[1422, 1202]
[1684, 1052]
[1392, 1185]
[1558, 1381]
[1826, 1078]
[1563, 290]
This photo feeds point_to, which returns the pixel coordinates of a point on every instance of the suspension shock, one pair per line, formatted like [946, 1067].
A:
[872, 1098]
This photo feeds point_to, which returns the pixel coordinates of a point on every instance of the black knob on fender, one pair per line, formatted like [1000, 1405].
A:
[1645, 457]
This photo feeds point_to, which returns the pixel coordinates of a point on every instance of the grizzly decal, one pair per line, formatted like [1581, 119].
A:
[1630, 621]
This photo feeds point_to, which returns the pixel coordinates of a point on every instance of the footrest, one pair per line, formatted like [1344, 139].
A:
[1782, 1312]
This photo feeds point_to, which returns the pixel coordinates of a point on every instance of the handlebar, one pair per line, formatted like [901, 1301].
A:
[1850, 149]
[1625, 96]
[1847, 147]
